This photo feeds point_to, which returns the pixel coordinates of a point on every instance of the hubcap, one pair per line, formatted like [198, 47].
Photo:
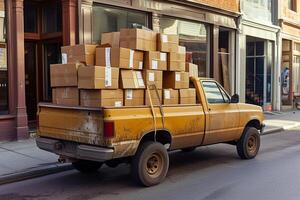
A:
[252, 144]
[154, 165]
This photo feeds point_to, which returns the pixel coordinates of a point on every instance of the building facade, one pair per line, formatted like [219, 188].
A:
[258, 73]
[289, 21]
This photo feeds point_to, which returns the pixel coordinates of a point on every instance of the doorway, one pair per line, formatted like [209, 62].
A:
[43, 39]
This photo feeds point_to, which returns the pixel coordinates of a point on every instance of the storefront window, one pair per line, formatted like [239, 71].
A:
[192, 35]
[3, 62]
[52, 15]
[110, 19]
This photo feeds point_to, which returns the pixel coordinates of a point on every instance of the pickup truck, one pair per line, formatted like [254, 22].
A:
[143, 135]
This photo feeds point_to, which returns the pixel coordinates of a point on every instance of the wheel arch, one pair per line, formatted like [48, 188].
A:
[163, 136]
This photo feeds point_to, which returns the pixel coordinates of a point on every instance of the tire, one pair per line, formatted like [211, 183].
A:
[249, 143]
[188, 149]
[86, 166]
[150, 164]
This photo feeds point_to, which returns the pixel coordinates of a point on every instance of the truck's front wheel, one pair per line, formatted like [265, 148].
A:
[249, 143]
[86, 166]
[150, 164]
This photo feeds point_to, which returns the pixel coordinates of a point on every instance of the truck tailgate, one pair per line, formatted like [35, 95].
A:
[78, 124]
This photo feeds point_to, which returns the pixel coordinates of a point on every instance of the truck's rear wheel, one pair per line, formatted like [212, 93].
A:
[150, 164]
[249, 143]
[86, 166]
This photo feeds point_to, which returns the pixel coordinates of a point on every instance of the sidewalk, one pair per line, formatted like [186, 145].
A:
[22, 159]
[279, 121]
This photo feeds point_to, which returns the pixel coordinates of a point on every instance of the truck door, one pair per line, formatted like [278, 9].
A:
[222, 116]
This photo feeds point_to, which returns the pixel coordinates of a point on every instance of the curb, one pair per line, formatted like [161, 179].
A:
[34, 173]
[272, 130]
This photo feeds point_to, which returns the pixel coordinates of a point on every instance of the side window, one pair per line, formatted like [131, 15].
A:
[213, 93]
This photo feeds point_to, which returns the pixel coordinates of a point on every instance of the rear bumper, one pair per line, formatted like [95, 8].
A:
[75, 150]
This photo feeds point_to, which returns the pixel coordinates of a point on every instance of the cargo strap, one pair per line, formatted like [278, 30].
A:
[153, 87]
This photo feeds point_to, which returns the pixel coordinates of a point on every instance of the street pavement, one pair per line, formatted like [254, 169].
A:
[212, 172]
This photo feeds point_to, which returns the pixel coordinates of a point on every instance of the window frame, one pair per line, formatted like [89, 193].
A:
[221, 90]
[293, 5]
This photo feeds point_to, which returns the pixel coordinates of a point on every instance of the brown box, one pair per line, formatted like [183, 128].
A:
[131, 79]
[176, 61]
[192, 69]
[79, 53]
[155, 99]
[138, 39]
[176, 80]
[68, 96]
[187, 96]
[97, 77]
[155, 60]
[112, 38]
[167, 43]
[119, 57]
[63, 75]
[170, 97]
[134, 97]
[153, 77]
[100, 98]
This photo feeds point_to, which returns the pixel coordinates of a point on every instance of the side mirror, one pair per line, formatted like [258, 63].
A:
[235, 98]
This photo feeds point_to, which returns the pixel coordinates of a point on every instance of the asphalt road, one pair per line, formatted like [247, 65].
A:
[213, 172]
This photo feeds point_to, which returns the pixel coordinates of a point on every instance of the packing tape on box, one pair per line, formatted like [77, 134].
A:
[118, 103]
[163, 56]
[131, 58]
[141, 65]
[139, 79]
[107, 57]
[154, 64]
[177, 77]
[64, 58]
[151, 76]
[129, 94]
[108, 76]
[167, 94]
[164, 38]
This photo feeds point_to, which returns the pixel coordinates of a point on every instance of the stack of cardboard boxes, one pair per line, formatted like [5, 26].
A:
[117, 72]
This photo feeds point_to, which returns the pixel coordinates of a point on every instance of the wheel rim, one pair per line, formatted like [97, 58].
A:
[252, 144]
[154, 165]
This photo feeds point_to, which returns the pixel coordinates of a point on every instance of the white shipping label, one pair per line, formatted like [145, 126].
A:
[129, 94]
[154, 64]
[167, 94]
[107, 57]
[164, 38]
[151, 76]
[107, 76]
[177, 77]
[131, 59]
[141, 65]
[64, 58]
[163, 56]
[118, 103]
[140, 79]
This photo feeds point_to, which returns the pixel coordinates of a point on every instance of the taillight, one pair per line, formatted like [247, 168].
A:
[109, 129]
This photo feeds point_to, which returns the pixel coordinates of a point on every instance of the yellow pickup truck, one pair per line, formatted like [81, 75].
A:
[142, 136]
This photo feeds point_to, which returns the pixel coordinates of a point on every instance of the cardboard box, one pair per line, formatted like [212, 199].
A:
[154, 97]
[79, 53]
[64, 75]
[155, 60]
[100, 98]
[112, 39]
[131, 79]
[170, 97]
[134, 97]
[97, 77]
[138, 39]
[68, 96]
[176, 61]
[167, 43]
[192, 69]
[187, 96]
[119, 57]
[153, 77]
[176, 80]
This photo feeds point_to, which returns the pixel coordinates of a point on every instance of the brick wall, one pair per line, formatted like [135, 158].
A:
[230, 5]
